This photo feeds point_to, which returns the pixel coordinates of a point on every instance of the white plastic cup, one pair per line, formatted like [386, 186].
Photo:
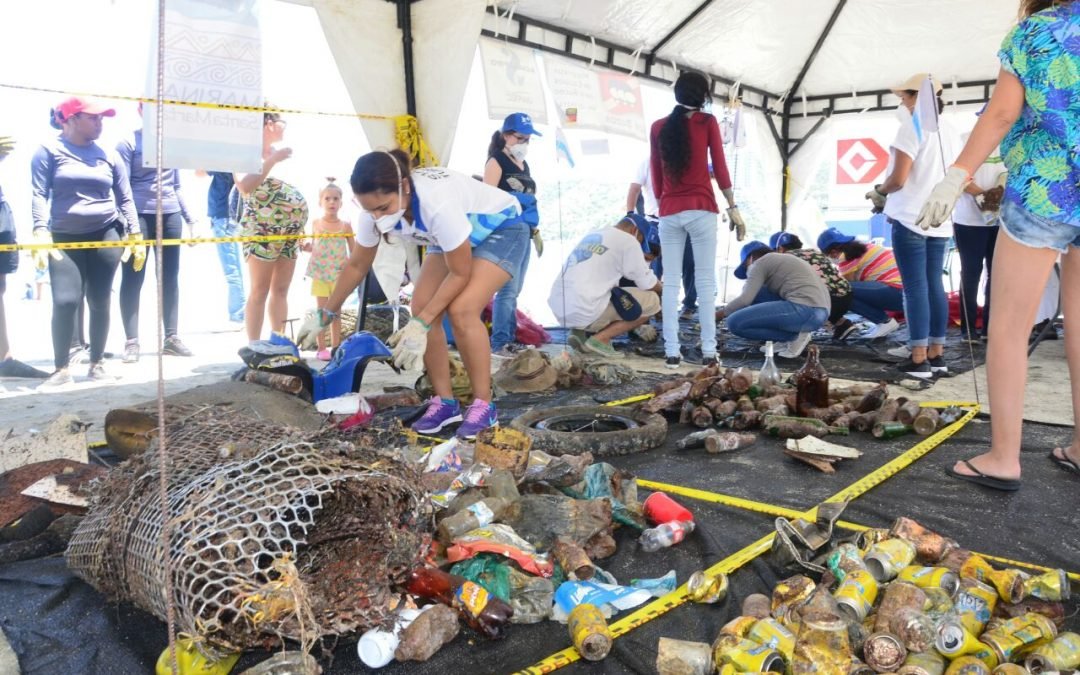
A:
[376, 647]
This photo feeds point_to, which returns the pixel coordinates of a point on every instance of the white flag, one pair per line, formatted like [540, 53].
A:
[925, 115]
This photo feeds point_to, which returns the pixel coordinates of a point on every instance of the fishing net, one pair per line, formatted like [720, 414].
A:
[273, 536]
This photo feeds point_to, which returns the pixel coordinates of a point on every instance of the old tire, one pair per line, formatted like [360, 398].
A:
[616, 430]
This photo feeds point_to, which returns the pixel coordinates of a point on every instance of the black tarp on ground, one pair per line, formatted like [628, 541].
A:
[58, 624]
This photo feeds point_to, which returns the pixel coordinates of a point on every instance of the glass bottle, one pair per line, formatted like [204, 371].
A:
[811, 384]
[485, 613]
[770, 374]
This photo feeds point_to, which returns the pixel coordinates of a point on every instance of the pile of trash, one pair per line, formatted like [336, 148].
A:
[901, 600]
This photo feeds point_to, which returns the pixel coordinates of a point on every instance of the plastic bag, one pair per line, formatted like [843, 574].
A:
[659, 587]
[501, 539]
[472, 477]
[531, 597]
[490, 571]
[608, 597]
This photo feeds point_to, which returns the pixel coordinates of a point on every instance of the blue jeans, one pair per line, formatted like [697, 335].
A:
[975, 244]
[700, 228]
[873, 298]
[921, 261]
[504, 309]
[689, 301]
[229, 255]
[771, 318]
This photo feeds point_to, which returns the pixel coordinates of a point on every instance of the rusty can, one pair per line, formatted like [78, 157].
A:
[860, 668]
[746, 655]
[975, 602]
[822, 648]
[1010, 669]
[573, 559]
[1063, 653]
[788, 595]
[899, 596]
[589, 632]
[886, 558]
[1020, 635]
[844, 559]
[926, 422]
[1052, 586]
[771, 633]
[707, 588]
[929, 545]
[856, 595]
[884, 652]
[967, 665]
[867, 538]
[1055, 611]
[923, 663]
[679, 657]
[931, 577]
[757, 605]
[1009, 583]
[954, 641]
[739, 626]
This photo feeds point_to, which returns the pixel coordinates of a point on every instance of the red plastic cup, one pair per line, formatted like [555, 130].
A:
[660, 509]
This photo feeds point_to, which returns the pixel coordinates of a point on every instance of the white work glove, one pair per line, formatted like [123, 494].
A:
[409, 345]
[939, 206]
[136, 249]
[877, 198]
[317, 321]
[40, 256]
[738, 225]
[647, 333]
[538, 242]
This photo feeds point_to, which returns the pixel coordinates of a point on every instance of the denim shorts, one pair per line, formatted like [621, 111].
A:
[1035, 231]
[505, 247]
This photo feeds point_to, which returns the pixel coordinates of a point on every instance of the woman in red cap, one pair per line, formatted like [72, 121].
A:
[80, 194]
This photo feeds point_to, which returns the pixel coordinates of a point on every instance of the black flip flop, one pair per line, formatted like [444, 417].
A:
[980, 478]
[1064, 462]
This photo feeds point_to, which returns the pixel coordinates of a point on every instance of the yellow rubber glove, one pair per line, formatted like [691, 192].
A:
[40, 256]
[134, 251]
[538, 243]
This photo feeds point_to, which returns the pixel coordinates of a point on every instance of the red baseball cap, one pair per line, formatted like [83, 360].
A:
[77, 104]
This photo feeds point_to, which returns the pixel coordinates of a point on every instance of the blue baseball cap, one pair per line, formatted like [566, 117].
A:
[832, 237]
[748, 249]
[781, 239]
[521, 123]
[650, 238]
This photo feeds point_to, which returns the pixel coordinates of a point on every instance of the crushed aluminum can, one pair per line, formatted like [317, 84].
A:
[931, 577]
[1017, 636]
[924, 663]
[930, 546]
[967, 665]
[886, 558]
[772, 633]
[1052, 586]
[867, 538]
[739, 626]
[680, 657]
[899, 596]
[844, 560]
[746, 655]
[707, 589]
[789, 595]
[884, 652]
[857, 594]
[1009, 583]
[1063, 653]
[822, 648]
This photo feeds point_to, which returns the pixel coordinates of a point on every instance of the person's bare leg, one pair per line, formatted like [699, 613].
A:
[919, 354]
[1016, 299]
[437, 355]
[261, 272]
[277, 307]
[469, 331]
[1070, 306]
[934, 351]
[320, 337]
[614, 330]
[335, 333]
[5, 346]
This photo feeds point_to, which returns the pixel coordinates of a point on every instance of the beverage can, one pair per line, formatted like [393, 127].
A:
[771, 633]
[886, 558]
[1051, 586]
[884, 652]
[856, 595]
[739, 626]
[589, 632]
[1063, 653]
[954, 641]
[1009, 583]
[1017, 636]
[967, 665]
[1010, 669]
[924, 663]
[680, 657]
[746, 655]
[975, 602]
[707, 589]
[931, 577]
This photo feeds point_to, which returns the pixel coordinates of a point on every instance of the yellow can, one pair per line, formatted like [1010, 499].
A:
[856, 595]
[925, 663]
[771, 633]
[1052, 586]
[975, 602]
[190, 661]
[589, 632]
[1009, 583]
[931, 577]
[954, 640]
[746, 655]
[707, 589]
[1061, 654]
[822, 648]
[967, 665]
[886, 558]
[1010, 669]
[739, 626]
[1019, 635]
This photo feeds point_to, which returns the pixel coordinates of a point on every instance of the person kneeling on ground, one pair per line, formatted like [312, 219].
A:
[783, 300]
[586, 296]
[874, 276]
[839, 288]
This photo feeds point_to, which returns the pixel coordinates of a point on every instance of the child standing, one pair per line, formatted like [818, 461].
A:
[328, 256]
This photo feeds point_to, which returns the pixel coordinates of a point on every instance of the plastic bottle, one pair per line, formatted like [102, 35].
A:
[478, 514]
[376, 646]
[665, 535]
[485, 613]
[811, 384]
[770, 374]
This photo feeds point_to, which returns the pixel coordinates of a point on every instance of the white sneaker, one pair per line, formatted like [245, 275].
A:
[795, 348]
[881, 330]
[901, 352]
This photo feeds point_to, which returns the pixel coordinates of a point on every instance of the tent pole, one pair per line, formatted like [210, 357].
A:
[404, 20]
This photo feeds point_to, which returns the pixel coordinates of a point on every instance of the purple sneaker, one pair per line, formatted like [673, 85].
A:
[438, 415]
[478, 417]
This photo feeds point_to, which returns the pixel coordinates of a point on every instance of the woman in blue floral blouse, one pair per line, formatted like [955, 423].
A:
[1035, 115]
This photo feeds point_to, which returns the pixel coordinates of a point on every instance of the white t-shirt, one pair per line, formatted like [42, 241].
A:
[927, 170]
[582, 289]
[453, 208]
[642, 179]
[967, 209]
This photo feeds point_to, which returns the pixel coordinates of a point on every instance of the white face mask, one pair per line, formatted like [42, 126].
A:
[519, 151]
[386, 223]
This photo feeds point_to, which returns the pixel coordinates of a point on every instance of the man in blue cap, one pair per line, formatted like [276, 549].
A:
[586, 296]
[783, 299]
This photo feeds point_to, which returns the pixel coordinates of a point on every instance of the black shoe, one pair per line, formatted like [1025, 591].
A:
[938, 365]
[174, 347]
[673, 362]
[131, 351]
[707, 361]
[918, 370]
[843, 330]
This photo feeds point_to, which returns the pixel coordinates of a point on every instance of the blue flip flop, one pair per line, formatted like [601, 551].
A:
[980, 478]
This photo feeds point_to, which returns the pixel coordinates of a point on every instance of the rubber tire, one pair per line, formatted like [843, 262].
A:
[650, 434]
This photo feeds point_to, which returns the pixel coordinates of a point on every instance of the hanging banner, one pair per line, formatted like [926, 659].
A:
[212, 55]
[512, 81]
[595, 99]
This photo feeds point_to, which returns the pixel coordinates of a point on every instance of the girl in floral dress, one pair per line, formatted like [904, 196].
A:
[328, 256]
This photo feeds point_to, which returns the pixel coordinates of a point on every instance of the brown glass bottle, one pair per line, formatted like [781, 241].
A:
[483, 612]
[811, 384]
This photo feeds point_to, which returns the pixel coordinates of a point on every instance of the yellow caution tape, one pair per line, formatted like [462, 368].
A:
[628, 401]
[82, 245]
[201, 104]
[677, 597]
[409, 139]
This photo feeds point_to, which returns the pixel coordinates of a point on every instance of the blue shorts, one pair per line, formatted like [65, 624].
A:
[1034, 231]
[504, 247]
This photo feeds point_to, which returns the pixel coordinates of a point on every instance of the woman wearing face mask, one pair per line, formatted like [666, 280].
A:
[507, 170]
[681, 146]
[81, 194]
[916, 163]
[475, 236]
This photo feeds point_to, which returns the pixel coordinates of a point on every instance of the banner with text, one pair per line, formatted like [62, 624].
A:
[595, 99]
[512, 81]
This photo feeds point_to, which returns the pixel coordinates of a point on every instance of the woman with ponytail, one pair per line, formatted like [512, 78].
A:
[681, 146]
